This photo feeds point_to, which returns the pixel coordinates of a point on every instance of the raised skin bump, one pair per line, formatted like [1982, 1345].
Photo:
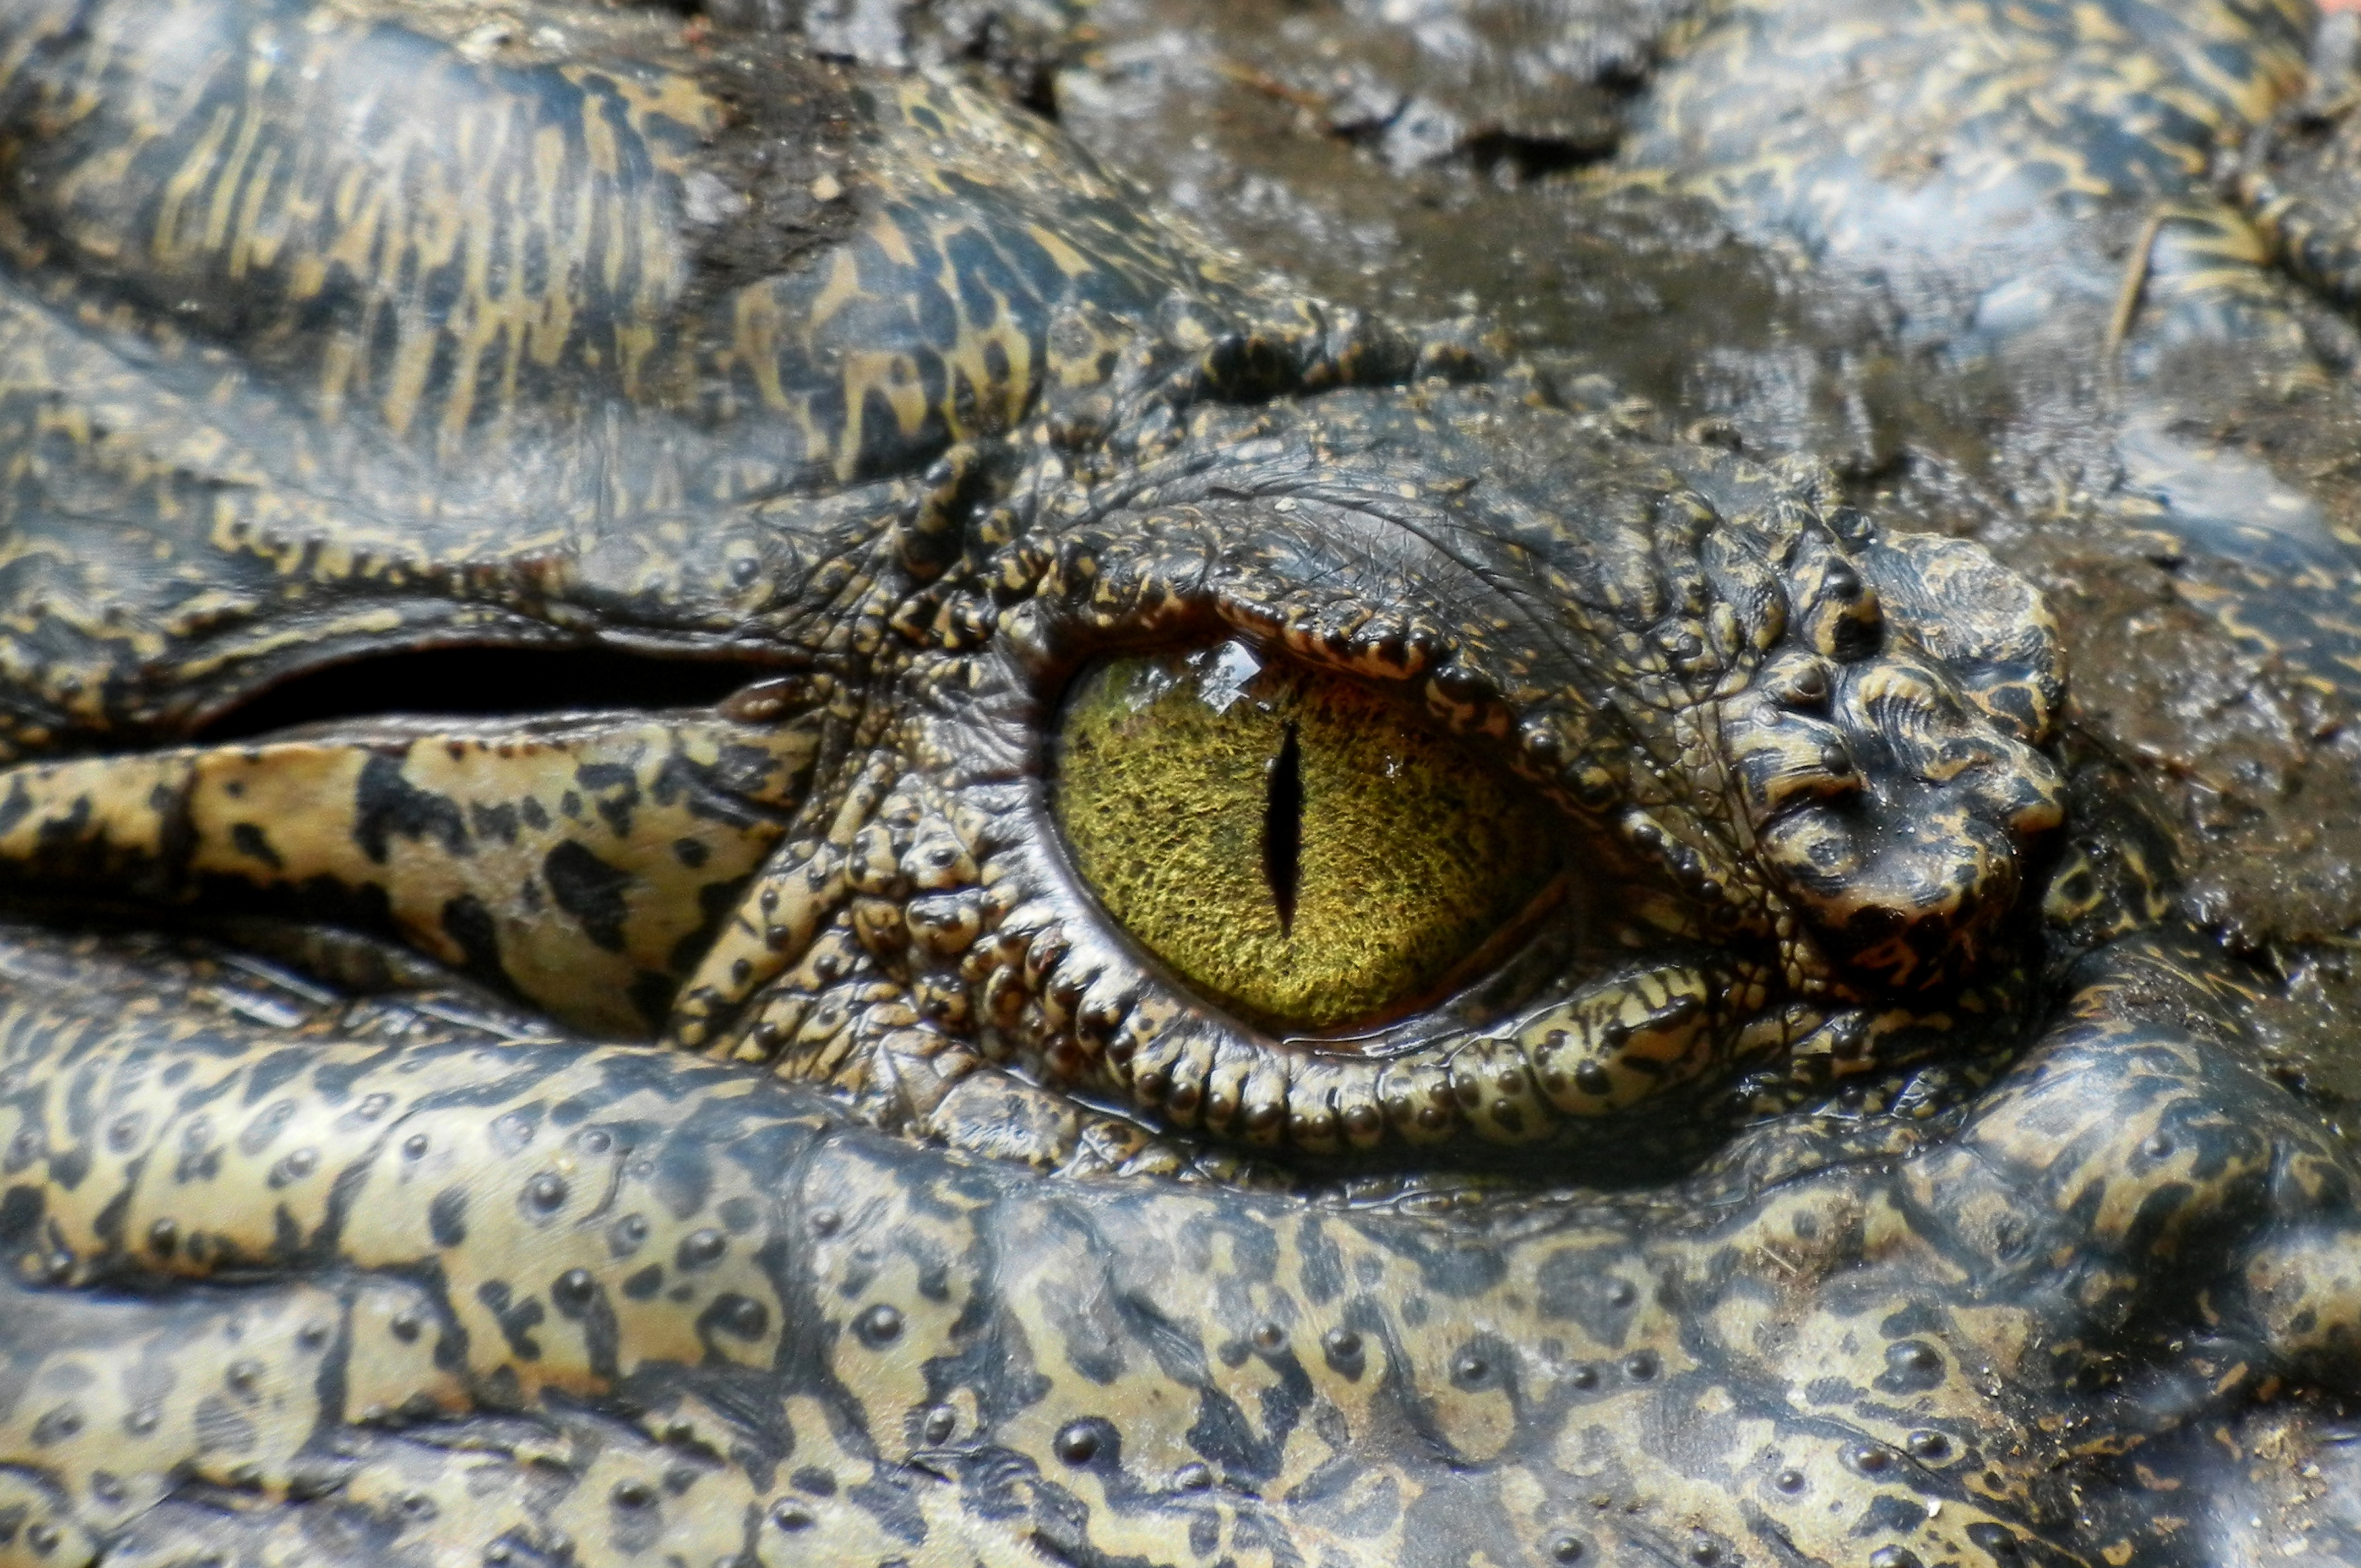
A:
[629, 1225]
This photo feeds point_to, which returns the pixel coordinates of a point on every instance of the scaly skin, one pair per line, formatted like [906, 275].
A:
[1876, 1175]
[2101, 206]
[640, 833]
[718, 1322]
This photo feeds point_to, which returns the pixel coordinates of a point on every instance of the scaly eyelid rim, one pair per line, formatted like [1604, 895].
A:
[1081, 610]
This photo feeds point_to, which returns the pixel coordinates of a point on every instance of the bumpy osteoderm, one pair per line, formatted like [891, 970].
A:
[513, 1294]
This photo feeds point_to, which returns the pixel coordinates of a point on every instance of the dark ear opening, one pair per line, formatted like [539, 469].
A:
[481, 682]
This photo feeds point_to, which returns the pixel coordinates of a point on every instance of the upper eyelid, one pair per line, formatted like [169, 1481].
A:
[1436, 607]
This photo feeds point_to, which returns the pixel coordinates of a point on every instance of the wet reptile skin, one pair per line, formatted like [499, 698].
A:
[775, 1156]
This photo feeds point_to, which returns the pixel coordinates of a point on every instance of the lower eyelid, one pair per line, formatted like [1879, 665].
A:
[1613, 1045]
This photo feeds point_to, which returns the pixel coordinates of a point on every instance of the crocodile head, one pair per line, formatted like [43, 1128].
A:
[1265, 942]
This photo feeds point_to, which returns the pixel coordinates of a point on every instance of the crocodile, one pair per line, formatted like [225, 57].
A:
[741, 827]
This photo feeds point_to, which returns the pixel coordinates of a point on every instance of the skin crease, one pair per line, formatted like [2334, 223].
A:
[1867, 1167]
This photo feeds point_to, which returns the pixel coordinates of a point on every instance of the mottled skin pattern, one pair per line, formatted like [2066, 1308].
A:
[2170, 170]
[582, 863]
[1873, 1174]
[2296, 175]
[712, 1317]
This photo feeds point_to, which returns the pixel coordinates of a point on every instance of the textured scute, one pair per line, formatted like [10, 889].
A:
[2020, 133]
[2296, 174]
[521, 1288]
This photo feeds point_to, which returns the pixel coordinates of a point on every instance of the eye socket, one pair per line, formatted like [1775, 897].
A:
[1311, 850]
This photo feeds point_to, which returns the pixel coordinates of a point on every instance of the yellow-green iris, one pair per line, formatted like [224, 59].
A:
[1311, 850]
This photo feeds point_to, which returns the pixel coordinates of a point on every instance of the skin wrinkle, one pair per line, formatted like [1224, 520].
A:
[1402, 581]
[1385, 509]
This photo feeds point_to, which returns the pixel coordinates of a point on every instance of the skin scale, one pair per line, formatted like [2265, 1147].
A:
[1970, 1236]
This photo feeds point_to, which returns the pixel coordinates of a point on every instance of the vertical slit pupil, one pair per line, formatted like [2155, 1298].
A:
[1282, 829]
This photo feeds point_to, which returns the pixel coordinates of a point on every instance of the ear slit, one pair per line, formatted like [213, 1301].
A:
[1282, 829]
[479, 681]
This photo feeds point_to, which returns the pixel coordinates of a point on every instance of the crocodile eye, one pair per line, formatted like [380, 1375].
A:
[1311, 850]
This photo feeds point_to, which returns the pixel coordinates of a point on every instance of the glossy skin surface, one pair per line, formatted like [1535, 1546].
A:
[1878, 1172]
